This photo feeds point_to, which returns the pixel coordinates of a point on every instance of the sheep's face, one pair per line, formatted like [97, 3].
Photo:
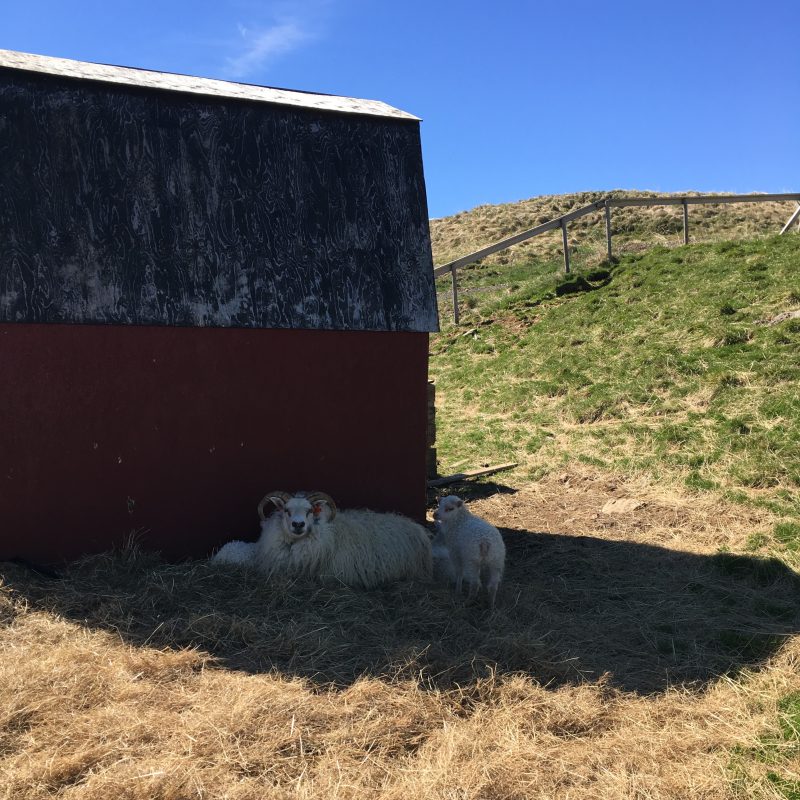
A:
[450, 509]
[298, 516]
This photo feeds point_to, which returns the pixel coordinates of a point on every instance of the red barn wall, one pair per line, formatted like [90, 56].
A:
[177, 433]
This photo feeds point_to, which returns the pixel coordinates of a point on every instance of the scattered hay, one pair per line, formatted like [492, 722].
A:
[598, 676]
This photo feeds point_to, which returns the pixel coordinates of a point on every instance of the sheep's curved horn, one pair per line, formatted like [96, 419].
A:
[321, 497]
[271, 497]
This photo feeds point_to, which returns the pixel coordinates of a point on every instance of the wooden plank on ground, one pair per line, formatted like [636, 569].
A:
[473, 473]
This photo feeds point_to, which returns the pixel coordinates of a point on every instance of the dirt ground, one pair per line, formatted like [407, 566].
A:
[644, 587]
[581, 502]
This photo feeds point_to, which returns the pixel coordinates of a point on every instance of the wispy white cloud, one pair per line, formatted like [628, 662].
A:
[261, 46]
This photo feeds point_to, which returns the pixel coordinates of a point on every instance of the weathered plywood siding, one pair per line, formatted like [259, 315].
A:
[130, 206]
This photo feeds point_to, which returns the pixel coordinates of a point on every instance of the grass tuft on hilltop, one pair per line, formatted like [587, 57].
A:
[633, 229]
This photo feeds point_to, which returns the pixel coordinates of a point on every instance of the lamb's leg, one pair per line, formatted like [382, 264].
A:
[491, 587]
[472, 574]
[458, 569]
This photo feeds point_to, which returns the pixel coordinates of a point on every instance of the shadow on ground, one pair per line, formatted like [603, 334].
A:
[571, 608]
[469, 490]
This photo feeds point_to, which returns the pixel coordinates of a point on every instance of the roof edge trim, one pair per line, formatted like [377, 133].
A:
[208, 87]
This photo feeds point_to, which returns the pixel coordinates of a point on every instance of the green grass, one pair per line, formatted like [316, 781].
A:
[659, 363]
[776, 755]
[788, 534]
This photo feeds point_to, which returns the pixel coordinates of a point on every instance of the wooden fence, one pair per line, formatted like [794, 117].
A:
[606, 205]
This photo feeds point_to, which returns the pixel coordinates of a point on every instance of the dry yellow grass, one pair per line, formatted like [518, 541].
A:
[603, 674]
[633, 228]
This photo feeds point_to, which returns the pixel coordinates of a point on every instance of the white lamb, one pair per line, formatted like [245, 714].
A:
[307, 535]
[236, 553]
[476, 548]
[443, 571]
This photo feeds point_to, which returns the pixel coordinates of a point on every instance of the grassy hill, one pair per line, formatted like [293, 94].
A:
[672, 373]
[666, 361]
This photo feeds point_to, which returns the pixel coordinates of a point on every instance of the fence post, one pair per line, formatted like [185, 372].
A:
[685, 222]
[455, 295]
[608, 228]
[566, 245]
[794, 216]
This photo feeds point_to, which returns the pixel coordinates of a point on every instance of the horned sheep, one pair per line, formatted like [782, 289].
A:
[475, 547]
[308, 535]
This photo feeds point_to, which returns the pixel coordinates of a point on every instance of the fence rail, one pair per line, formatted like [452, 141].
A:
[606, 205]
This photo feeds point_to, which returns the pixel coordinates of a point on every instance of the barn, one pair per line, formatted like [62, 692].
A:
[208, 290]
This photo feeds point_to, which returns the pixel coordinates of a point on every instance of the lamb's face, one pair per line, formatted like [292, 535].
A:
[449, 510]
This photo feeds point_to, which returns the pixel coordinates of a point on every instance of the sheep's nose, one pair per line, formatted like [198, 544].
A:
[298, 526]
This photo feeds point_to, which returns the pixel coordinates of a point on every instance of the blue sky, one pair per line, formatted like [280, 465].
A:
[518, 99]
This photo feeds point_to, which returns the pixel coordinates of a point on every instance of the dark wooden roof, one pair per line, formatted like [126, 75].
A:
[140, 205]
